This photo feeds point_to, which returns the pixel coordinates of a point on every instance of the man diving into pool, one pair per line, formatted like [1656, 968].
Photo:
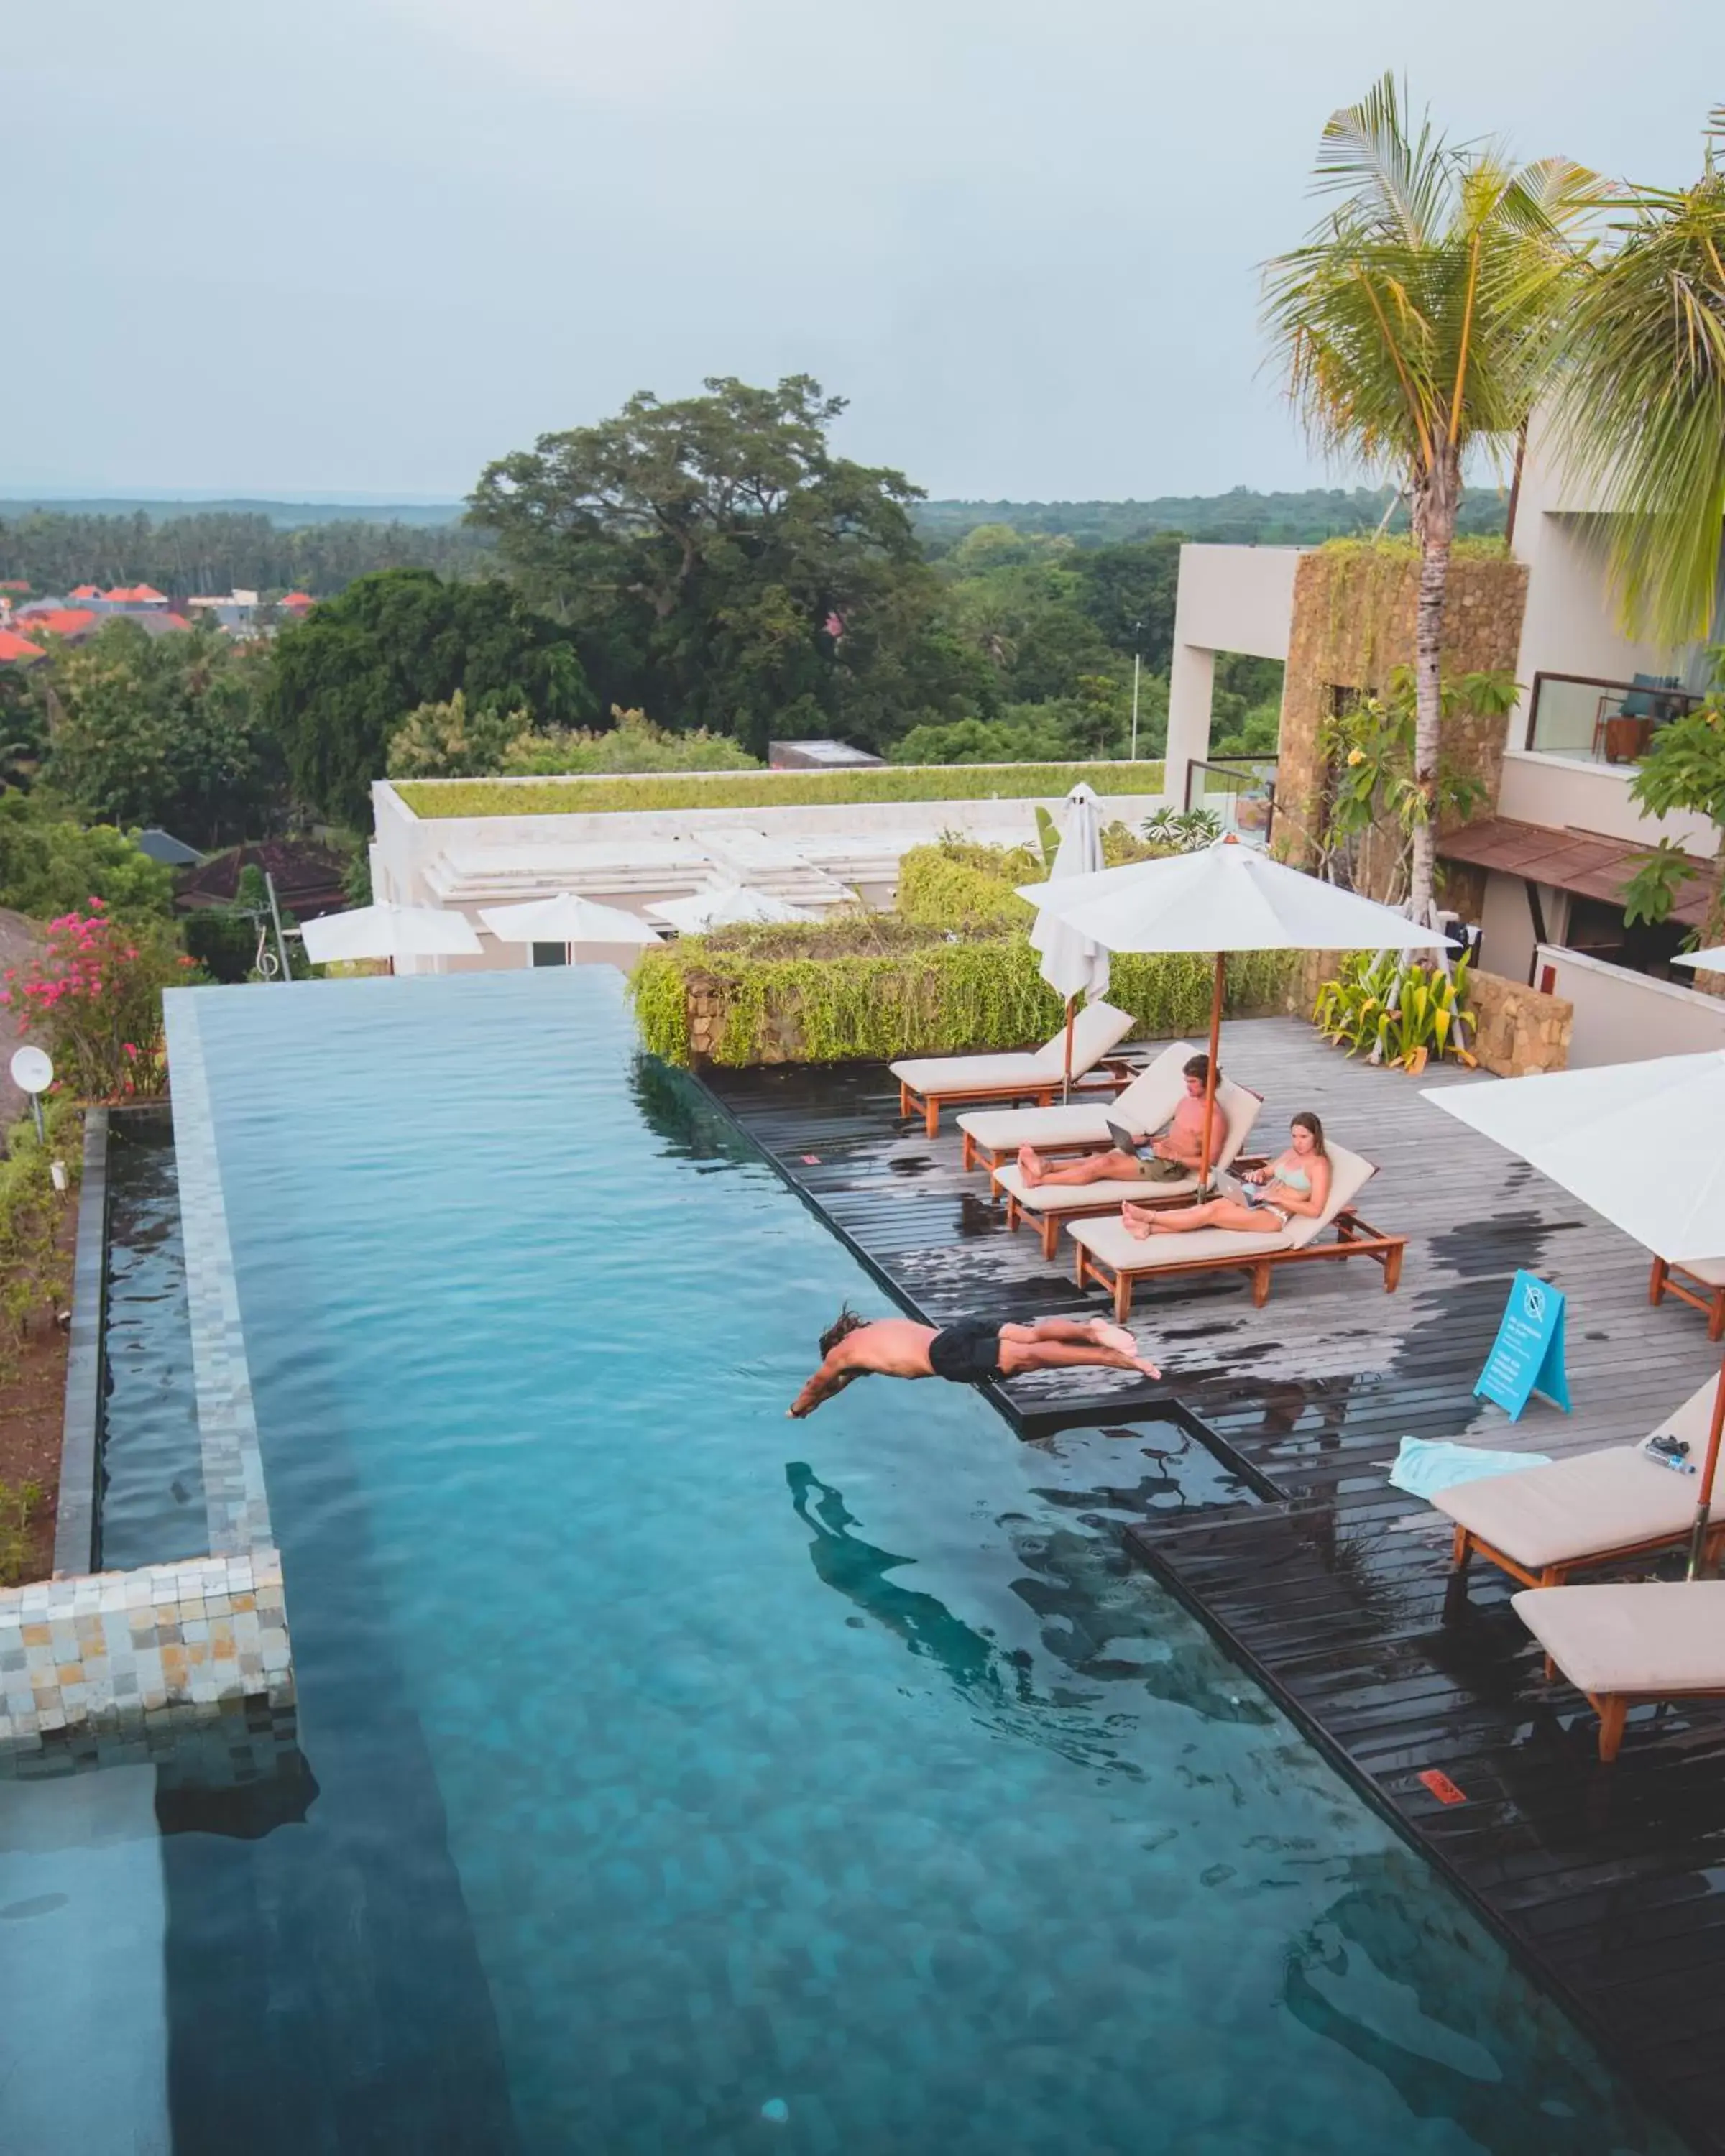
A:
[968, 1352]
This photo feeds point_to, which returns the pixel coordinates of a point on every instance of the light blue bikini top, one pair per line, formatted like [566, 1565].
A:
[1297, 1178]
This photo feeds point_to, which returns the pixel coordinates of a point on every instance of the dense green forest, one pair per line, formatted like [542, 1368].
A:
[215, 551]
[707, 572]
[1240, 518]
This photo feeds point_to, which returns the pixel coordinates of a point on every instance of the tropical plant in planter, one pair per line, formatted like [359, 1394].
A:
[1398, 1013]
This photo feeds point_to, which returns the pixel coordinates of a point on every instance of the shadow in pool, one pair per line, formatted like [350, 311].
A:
[1451, 2055]
[1100, 1621]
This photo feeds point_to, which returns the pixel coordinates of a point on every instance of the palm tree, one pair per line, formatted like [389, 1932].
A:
[1416, 326]
[1641, 410]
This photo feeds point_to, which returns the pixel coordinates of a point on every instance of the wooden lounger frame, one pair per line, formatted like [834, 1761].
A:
[1669, 1279]
[1154, 1200]
[1465, 1543]
[1354, 1239]
[1613, 1707]
[912, 1101]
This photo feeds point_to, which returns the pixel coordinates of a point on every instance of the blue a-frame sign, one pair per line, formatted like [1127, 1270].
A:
[1527, 1355]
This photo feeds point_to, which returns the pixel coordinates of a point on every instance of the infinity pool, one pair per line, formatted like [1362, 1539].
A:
[690, 1779]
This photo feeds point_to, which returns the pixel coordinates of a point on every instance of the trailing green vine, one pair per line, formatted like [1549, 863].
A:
[944, 997]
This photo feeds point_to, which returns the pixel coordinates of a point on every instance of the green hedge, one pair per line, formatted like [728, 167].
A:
[956, 782]
[944, 997]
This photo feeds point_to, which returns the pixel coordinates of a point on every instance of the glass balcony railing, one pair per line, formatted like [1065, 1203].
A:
[1240, 790]
[1600, 721]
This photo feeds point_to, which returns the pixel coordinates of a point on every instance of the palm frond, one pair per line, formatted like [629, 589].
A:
[1366, 150]
[1640, 418]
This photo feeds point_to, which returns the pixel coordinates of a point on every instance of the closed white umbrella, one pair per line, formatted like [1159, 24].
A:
[1705, 962]
[725, 905]
[1225, 897]
[1073, 965]
[1642, 1143]
[568, 919]
[389, 931]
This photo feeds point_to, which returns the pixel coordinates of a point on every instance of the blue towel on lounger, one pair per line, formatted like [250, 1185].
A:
[1426, 1465]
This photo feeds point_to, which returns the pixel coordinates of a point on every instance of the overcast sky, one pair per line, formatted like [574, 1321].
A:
[361, 246]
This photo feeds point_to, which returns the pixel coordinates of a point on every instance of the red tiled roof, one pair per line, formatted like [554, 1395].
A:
[128, 595]
[87, 591]
[64, 621]
[1584, 862]
[14, 584]
[298, 599]
[13, 647]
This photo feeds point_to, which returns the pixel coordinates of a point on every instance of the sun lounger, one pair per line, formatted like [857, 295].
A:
[1113, 1258]
[1051, 1205]
[932, 1082]
[994, 1135]
[1629, 1642]
[1701, 1284]
[1542, 1524]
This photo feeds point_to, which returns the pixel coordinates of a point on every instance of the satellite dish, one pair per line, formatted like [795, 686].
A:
[31, 1071]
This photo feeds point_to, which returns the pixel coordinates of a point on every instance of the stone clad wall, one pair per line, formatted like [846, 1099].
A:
[1517, 1031]
[1353, 625]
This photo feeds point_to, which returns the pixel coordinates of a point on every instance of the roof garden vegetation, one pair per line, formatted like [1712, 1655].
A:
[768, 789]
[951, 971]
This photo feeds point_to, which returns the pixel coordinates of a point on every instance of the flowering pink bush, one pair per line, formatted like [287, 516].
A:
[94, 998]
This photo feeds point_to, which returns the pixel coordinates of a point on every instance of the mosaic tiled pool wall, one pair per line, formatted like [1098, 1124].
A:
[131, 1659]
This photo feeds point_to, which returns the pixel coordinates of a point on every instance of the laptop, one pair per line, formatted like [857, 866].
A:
[1123, 1140]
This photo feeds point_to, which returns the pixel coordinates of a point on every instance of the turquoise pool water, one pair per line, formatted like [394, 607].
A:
[690, 1780]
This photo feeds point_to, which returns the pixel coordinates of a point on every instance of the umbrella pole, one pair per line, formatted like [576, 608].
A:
[1071, 1020]
[1697, 1543]
[1209, 1081]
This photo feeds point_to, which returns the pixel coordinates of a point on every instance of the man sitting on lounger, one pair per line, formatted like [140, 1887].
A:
[1170, 1158]
[968, 1352]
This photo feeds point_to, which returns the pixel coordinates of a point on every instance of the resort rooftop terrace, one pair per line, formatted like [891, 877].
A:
[1611, 1880]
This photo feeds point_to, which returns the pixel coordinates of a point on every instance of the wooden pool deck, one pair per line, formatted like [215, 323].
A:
[1611, 1880]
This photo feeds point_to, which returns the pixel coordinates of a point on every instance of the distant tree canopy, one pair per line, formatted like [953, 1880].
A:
[720, 566]
[142, 730]
[215, 551]
[342, 682]
[1239, 517]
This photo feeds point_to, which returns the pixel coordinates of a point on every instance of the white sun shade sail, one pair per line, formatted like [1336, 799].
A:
[1704, 962]
[725, 905]
[1642, 1143]
[566, 919]
[1225, 897]
[1073, 964]
[389, 931]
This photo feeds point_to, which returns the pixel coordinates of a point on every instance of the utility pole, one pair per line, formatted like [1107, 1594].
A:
[1137, 665]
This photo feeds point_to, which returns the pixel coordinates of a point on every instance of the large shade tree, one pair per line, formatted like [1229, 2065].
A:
[721, 566]
[1417, 325]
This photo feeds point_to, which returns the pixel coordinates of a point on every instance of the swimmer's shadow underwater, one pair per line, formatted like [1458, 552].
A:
[1089, 1599]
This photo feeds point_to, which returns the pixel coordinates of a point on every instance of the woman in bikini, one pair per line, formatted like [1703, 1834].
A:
[1296, 1185]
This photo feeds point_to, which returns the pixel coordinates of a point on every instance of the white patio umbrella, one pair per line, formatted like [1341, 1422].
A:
[725, 905]
[1642, 1143]
[389, 931]
[1704, 962]
[1073, 965]
[1225, 897]
[568, 919]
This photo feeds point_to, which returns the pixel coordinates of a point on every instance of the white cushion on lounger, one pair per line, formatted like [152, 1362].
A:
[1074, 1197]
[1571, 1509]
[1565, 1510]
[1240, 1110]
[1097, 1028]
[1654, 1637]
[1145, 1104]
[1710, 1270]
[977, 1073]
[1110, 1240]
